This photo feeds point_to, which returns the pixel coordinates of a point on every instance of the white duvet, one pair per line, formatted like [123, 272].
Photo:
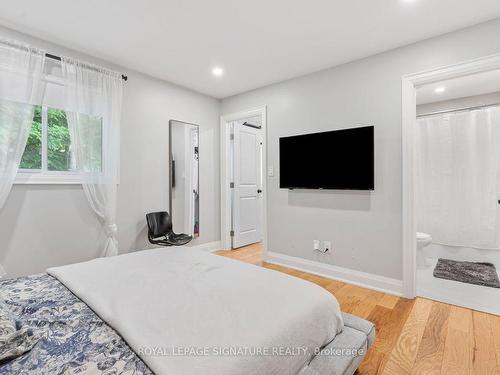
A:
[187, 312]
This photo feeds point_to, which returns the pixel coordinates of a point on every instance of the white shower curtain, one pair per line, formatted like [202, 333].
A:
[21, 69]
[458, 178]
[93, 107]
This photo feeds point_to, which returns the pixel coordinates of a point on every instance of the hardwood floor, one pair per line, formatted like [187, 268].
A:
[413, 336]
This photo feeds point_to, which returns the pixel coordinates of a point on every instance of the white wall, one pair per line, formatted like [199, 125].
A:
[43, 226]
[365, 228]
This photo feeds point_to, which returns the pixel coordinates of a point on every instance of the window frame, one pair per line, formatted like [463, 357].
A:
[47, 178]
[44, 175]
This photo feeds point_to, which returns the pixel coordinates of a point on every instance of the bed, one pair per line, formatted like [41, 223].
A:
[181, 311]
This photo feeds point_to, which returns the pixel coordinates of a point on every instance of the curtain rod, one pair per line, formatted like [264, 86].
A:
[58, 58]
[458, 110]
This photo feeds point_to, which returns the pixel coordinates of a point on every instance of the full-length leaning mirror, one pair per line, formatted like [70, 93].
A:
[184, 177]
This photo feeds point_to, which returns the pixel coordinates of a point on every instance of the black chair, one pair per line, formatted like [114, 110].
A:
[160, 230]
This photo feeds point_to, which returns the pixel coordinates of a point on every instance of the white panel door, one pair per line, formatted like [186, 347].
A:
[247, 194]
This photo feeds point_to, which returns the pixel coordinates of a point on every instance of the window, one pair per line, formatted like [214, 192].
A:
[48, 156]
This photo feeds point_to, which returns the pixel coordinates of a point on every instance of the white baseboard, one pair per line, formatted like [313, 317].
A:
[208, 246]
[363, 279]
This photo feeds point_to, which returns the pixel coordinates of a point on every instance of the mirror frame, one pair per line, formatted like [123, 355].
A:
[170, 169]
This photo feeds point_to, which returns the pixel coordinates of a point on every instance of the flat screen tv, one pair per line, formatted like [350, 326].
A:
[340, 159]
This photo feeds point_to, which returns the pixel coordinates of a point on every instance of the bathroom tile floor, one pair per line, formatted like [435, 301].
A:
[475, 297]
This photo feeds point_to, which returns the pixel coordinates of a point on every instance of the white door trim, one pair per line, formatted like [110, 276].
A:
[409, 84]
[225, 202]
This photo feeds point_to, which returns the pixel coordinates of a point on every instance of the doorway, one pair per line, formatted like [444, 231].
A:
[243, 182]
[451, 124]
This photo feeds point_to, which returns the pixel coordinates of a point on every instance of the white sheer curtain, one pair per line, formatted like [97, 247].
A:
[21, 69]
[93, 106]
[458, 178]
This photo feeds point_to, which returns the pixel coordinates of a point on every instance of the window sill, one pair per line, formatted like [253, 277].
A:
[24, 178]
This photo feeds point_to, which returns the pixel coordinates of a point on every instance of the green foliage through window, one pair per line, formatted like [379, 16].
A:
[32, 157]
[52, 123]
[58, 141]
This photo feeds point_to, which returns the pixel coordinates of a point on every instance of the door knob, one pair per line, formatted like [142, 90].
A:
[259, 191]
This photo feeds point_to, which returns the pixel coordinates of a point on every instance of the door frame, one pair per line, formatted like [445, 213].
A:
[225, 173]
[409, 116]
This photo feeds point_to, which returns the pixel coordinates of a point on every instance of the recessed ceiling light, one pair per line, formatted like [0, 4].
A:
[439, 90]
[217, 71]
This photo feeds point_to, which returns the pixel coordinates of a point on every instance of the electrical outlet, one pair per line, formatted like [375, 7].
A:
[315, 244]
[327, 246]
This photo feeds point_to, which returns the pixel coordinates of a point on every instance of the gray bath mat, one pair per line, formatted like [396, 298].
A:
[467, 272]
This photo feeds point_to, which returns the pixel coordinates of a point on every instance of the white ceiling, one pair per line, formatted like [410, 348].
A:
[462, 87]
[257, 42]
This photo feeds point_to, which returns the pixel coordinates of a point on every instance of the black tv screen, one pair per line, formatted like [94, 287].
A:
[340, 159]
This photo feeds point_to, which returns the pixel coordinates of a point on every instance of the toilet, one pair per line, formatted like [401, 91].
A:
[423, 240]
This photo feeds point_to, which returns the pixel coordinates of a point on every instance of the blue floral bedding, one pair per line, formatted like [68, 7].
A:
[72, 339]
